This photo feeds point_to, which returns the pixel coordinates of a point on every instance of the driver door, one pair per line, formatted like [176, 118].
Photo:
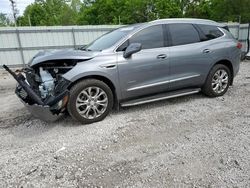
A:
[147, 71]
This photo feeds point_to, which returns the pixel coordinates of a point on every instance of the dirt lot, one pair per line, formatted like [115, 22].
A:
[192, 141]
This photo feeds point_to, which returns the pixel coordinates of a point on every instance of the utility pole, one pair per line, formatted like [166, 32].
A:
[14, 10]
[29, 20]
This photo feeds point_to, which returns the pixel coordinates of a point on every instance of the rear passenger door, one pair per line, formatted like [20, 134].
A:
[189, 57]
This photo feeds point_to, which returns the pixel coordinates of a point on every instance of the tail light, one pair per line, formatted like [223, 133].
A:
[239, 45]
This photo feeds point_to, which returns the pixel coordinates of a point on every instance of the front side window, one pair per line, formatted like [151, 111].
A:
[109, 39]
[182, 34]
[210, 32]
[151, 37]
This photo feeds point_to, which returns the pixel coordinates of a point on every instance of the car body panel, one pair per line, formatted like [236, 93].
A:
[143, 72]
[51, 55]
[147, 72]
[189, 64]
[99, 66]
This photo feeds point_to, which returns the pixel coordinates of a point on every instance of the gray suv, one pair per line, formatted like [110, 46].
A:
[129, 66]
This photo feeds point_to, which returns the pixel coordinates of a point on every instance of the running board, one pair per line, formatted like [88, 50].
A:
[160, 97]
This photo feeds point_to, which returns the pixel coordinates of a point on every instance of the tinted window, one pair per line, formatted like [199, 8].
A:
[151, 37]
[109, 39]
[183, 34]
[123, 46]
[210, 32]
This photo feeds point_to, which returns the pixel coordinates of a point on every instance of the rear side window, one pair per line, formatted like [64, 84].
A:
[182, 34]
[210, 32]
[151, 37]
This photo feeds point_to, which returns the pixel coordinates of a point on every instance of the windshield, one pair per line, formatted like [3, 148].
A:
[109, 39]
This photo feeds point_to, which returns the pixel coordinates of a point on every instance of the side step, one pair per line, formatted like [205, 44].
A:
[160, 97]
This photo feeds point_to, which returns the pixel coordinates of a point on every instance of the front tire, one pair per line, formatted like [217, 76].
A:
[90, 101]
[218, 81]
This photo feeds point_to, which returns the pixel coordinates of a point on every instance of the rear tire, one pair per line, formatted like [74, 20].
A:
[90, 101]
[218, 81]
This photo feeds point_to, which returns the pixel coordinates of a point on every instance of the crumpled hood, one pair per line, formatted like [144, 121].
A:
[48, 55]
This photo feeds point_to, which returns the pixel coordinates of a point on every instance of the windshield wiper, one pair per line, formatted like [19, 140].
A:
[84, 48]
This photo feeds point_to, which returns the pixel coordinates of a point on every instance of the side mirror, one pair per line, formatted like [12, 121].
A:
[81, 47]
[131, 49]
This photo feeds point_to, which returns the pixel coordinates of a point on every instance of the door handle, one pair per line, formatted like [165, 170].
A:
[108, 66]
[162, 56]
[206, 51]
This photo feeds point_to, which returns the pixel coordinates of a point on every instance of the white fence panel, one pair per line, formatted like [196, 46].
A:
[10, 57]
[19, 45]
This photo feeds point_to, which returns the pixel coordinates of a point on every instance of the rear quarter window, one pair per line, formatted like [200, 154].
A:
[210, 32]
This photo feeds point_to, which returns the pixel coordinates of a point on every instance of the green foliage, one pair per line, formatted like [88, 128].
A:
[231, 10]
[81, 12]
[4, 20]
[168, 9]
[48, 12]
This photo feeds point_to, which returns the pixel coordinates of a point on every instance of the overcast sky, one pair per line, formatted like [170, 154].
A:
[5, 6]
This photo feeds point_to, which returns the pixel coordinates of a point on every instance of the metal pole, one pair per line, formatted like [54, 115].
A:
[14, 10]
[20, 47]
[74, 38]
[29, 20]
[239, 27]
[248, 38]
[238, 32]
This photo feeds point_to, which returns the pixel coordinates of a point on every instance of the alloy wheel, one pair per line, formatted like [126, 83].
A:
[220, 81]
[92, 102]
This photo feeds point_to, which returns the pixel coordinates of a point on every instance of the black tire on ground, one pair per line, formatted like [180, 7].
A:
[77, 89]
[207, 89]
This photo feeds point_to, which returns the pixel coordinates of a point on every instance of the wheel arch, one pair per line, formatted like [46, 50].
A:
[103, 79]
[228, 64]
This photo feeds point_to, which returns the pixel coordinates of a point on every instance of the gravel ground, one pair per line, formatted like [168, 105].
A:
[192, 141]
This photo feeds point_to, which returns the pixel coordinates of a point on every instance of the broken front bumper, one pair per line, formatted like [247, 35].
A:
[44, 112]
[41, 112]
[48, 109]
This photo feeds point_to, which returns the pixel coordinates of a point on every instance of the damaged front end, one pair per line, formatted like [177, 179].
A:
[43, 89]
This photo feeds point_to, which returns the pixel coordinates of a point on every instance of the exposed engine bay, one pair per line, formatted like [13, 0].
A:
[43, 84]
[46, 80]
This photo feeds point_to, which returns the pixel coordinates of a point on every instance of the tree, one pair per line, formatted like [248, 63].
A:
[48, 12]
[81, 12]
[4, 20]
[168, 9]
[100, 12]
[126, 11]
[230, 10]
[199, 9]
[33, 15]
